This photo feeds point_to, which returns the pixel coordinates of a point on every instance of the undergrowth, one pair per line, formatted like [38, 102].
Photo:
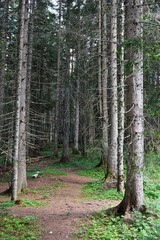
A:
[102, 227]
[47, 171]
[14, 228]
[96, 191]
[92, 173]
[152, 182]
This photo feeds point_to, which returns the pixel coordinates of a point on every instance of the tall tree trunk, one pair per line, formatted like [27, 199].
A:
[22, 178]
[76, 131]
[100, 59]
[29, 69]
[91, 127]
[120, 183]
[104, 87]
[66, 127]
[102, 80]
[77, 115]
[133, 199]
[18, 101]
[66, 121]
[4, 30]
[112, 154]
[56, 122]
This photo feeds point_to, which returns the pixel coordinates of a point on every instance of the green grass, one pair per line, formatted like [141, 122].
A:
[32, 203]
[93, 173]
[23, 203]
[76, 161]
[141, 227]
[96, 191]
[47, 171]
[152, 182]
[6, 204]
[14, 228]
[102, 227]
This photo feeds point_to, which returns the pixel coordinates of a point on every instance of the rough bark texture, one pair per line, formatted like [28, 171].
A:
[133, 199]
[57, 106]
[18, 103]
[29, 68]
[104, 87]
[102, 79]
[91, 127]
[112, 154]
[22, 178]
[120, 183]
[65, 151]
[77, 107]
[3, 39]
[100, 58]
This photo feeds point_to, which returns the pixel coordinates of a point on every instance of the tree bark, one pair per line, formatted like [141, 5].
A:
[18, 103]
[57, 106]
[112, 154]
[4, 30]
[104, 87]
[22, 178]
[29, 70]
[120, 183]
[133, 198]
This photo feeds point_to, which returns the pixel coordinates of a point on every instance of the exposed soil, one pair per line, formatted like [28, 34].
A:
[65, 207]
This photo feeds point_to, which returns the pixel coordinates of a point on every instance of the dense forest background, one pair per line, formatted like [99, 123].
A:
[64, 74]
[80, 81]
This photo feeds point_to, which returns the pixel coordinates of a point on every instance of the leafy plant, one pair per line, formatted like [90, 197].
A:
[103, 227]
[13, 228]
[97, 191]
[93, 173]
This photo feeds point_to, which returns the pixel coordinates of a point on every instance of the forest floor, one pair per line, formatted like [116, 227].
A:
[63, 208]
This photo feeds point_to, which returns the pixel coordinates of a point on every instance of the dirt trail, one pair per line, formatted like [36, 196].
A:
[65, 207]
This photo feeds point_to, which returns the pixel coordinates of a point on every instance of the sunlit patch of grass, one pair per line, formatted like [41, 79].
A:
[13, 228]
[96, 191]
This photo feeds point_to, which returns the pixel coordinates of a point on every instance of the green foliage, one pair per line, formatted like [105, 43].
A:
[32, 203]
[97, 191]
[114, 228]
[6, 204]
[94, 153]
[54, 172]
[152, 182]
[2, 159]
[77, 161]
[13, 228]
[47, 171]
[93, 173]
